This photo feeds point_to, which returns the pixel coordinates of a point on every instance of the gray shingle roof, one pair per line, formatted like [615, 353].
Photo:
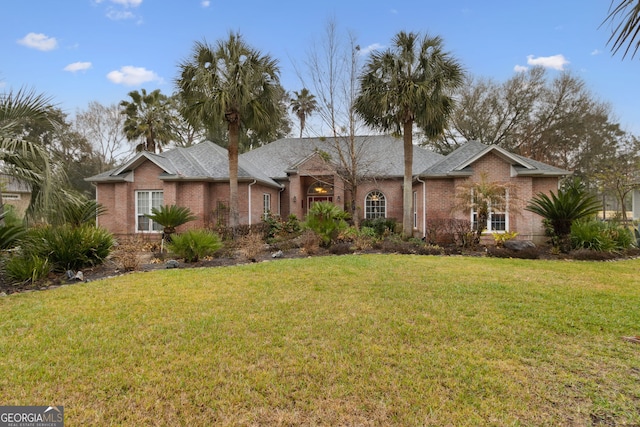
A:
[379, 155]
[459, 162]
[10, 184]
[204, 161]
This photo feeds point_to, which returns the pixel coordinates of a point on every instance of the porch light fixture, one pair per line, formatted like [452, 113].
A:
[320, 190]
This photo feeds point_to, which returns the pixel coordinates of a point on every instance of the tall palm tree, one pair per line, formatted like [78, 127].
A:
[231, 83]
[627, 31]
[303, 105]
[21, 157]
[409, 83]
[148, 116]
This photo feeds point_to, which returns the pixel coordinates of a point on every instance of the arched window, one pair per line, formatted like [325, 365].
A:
[375, 205]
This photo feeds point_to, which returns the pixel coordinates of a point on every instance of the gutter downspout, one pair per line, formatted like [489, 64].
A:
[249, 191]
[424, 206]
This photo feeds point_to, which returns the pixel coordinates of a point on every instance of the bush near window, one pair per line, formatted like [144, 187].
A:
[382, 226]
[195, 244]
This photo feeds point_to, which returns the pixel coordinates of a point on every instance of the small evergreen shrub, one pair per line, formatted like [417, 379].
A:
[10, 236]
[360, 240]
[27, 268]
[68, 247]
[195, 244]
[326, 220]
[600, 236]
[381, 226]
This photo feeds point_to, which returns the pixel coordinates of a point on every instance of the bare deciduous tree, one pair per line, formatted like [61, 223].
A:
[102, 126]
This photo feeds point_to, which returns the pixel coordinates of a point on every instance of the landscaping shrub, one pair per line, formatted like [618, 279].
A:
[500, 238]
[310, 242]
[276, 229]
[10, 235]
[361, 239]
[448, 231]
[67, 247]
[25, 268]
[571, 204]
[195, 244]
[251, 246]
[381, 226]
[326, 220]
[600, 236]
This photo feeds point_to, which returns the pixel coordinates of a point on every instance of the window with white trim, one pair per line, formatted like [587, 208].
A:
[145, 202]
[498, 214]
[375, 205]
[415, 209]
[266, 205]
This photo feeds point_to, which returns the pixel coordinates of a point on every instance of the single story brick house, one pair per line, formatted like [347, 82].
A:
[288, 175]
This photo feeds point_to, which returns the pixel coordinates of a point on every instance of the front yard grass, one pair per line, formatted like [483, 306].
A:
[348, 340]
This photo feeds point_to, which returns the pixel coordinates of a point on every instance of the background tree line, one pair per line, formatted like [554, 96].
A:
[553, 119]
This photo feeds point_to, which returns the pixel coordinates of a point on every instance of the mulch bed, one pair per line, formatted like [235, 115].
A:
[111, 268]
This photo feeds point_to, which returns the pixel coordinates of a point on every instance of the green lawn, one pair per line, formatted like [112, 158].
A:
[349, 340]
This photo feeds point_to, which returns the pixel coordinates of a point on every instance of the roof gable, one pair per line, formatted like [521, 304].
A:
[460, 162]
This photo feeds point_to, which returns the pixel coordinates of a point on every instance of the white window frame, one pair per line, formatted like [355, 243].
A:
[153, 203]
[415, 209]
[490, 218]
[266, 205]
[370, 209]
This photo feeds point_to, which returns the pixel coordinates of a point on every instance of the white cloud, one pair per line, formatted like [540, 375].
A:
[78, 66]
[394, 11]
[39, 41]
[205, 3]
[370, 48]
[520, 68]
[596, 52]
[557, 62]
[118, 15]
[132, 76]
[128, 3]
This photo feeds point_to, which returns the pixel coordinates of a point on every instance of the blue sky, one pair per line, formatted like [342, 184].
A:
[79, 51]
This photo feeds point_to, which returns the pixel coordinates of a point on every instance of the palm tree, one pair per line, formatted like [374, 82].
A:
[303, 105]
[231, 83]
[21, 157]
[570, 204]
[626, 32]
[409, 83]
[148, 117]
